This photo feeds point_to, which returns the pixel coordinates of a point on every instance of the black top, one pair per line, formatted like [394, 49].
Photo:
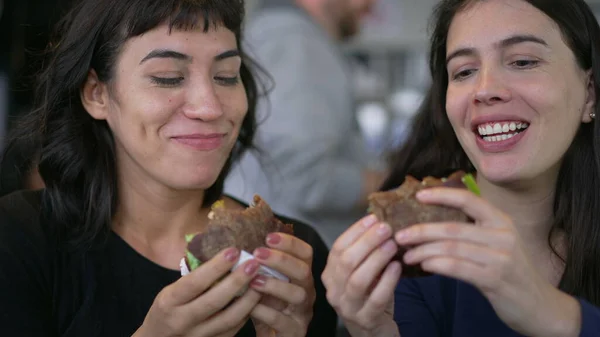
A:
[48, 291]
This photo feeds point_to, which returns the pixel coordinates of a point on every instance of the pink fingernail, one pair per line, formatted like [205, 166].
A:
[402, 236]
[384, 230]
[232, 254]
[259, 281]
[409, 256]
[251, 267]
[262, 253]
[273, 239]
[389, 247]
[423, 193]
[369, 221]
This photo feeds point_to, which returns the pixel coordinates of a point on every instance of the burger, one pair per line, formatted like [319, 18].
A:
[400, 209]
[245, 230]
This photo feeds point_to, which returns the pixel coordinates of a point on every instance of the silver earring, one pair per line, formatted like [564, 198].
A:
[592, 115]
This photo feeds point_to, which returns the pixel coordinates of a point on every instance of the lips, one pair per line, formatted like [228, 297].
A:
[201, 142]
[499, 136]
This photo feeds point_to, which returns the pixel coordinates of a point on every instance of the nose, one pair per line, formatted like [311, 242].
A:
[491, 88]
[202, 102]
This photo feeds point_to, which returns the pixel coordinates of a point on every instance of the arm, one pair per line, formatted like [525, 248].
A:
[411, 313]
[305, 126]
[25, 307]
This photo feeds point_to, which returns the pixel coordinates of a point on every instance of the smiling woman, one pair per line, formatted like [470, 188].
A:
[515, 91]
[140, 111]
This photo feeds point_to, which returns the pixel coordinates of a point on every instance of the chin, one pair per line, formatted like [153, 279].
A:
[192, 181]
[500, 171]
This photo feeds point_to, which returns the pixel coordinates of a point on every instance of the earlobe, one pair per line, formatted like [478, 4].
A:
[589, 110]
[94, 96]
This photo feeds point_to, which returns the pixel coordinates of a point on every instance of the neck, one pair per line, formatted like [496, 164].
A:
[149, 212]
[321, 14]
[530, 206]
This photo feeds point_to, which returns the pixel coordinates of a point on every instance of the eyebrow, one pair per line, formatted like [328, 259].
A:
[165, 53]
[508, 42]
[227, 54]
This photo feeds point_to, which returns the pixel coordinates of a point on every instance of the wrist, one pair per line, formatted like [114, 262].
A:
[564, 317]
[387, 329]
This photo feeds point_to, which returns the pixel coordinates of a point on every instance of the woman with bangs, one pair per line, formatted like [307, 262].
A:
[140, 110]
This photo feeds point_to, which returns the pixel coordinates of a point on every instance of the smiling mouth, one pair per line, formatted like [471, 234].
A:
[500, 131]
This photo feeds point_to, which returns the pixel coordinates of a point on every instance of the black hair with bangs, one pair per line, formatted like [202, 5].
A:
[77, 157]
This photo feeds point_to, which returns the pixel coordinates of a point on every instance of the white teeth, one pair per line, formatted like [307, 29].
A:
[499, 137]
[499, 128]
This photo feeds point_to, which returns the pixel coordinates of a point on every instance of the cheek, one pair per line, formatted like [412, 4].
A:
[236, 107]
[456, 107]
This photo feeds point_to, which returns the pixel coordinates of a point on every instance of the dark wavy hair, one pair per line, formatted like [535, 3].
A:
[433, 149]
[77, 156]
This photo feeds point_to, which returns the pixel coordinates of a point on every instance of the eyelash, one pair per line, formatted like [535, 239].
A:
[166, 81]
[228, 81]
[174, 81]
[530, 64]
[458, 77]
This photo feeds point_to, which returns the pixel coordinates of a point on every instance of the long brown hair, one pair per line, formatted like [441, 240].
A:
[433, 149]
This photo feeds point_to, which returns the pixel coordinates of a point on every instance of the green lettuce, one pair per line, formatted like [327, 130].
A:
[192, 261]
[470, 183]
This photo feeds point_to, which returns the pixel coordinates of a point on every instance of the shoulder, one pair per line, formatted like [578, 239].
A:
[25, 248]
[20, 212]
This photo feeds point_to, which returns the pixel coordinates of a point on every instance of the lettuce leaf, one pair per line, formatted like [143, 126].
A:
[470, 183]
[192, 261]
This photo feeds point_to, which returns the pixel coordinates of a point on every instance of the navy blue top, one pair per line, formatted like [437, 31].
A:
[438, 306]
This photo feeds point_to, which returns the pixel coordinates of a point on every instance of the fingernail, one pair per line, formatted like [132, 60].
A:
[423, 193]
[262, 253]
[369, 221]
[394, 268]
[389, 247]
[402, 235]
[259, 281]
[251, 267]
[232, 254]
[273, 239]
[409, 256]
[384, 230]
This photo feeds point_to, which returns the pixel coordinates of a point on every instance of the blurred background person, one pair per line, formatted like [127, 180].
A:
[309, 141]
